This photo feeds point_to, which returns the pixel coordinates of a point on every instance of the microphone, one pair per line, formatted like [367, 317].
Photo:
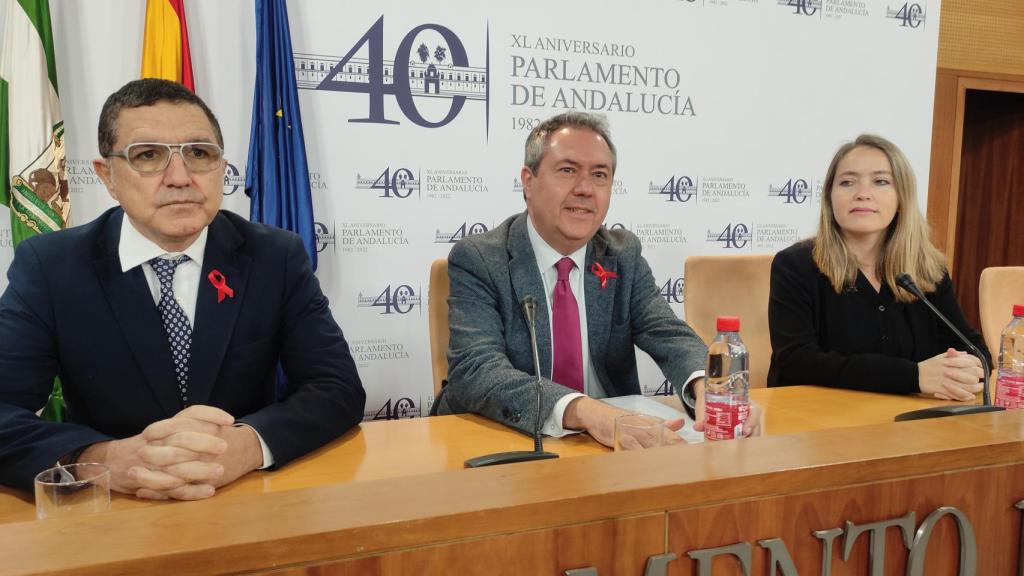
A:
[907, 283]
[530, 313]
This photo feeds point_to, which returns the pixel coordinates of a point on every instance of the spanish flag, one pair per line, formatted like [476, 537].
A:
[165, 52]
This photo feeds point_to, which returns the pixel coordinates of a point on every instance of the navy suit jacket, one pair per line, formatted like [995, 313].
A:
[490, 359]
[70, 311]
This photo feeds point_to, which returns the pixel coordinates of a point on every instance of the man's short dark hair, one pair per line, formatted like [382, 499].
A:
[537, 141]
[147, 92]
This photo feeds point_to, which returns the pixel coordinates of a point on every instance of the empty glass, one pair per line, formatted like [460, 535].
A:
[634, 430]
[72, 490]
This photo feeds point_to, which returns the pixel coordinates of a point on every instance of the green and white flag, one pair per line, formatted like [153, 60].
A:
[33, 181]
[32, 167]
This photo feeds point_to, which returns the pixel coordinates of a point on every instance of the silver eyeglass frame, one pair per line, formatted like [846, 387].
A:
[172, 149]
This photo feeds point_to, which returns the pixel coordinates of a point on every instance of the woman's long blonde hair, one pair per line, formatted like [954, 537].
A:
[907, 246]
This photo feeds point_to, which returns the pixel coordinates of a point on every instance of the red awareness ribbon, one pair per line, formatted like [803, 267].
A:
[220, 283]
[604, 275]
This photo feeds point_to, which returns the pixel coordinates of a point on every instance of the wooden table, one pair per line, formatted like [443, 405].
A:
[387, 489]
[397, 448]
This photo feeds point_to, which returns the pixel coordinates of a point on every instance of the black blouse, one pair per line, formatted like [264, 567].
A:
[860, 339]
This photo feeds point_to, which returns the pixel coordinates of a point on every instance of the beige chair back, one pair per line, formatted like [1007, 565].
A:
[735, 285]
[999, 289]
[437, 316]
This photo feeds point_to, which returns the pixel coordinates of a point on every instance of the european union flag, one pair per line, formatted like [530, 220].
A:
[277, 177]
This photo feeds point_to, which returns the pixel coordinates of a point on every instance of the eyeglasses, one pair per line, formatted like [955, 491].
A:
[150, 157]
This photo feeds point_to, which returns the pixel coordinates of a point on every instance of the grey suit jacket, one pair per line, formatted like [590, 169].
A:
[490, 362]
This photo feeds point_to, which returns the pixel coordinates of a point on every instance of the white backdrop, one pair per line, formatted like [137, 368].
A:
[725, 113]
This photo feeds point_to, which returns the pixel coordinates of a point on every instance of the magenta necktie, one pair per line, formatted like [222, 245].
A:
[567, 367]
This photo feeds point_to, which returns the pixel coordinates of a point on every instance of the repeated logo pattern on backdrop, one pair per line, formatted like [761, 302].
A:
[725, 114]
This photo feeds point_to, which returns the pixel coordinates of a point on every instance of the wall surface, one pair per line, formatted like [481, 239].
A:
[982, 35]
[725, 113]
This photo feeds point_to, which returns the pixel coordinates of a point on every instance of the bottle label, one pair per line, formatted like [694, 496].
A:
[1010, 391]
[723, 420]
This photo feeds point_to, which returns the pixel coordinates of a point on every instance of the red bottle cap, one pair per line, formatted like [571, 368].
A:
[728, 324]
[1018, 309]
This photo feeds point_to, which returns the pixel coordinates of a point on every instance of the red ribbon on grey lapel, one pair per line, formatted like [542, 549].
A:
[597, 270]
[220, 283]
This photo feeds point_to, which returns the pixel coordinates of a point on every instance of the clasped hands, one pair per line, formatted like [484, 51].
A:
[952, 375]
[185, 457]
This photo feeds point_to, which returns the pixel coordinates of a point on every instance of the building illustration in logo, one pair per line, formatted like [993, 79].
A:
[909, 15]
[734, 235]
[425, 79]
[430, 62]
[391, 182]
[233, 179]
[466, 229]
[675, 189]
[793, 191]
[324, 236]
[672, 290]
[400, 299]
[396, 410]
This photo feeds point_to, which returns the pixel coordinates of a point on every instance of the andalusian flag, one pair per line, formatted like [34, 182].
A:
[165, 52]
[32, 168]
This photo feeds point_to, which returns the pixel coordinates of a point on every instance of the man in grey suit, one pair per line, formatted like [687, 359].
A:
[599, 298]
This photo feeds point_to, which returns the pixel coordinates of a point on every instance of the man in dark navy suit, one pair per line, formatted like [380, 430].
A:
[165, 320]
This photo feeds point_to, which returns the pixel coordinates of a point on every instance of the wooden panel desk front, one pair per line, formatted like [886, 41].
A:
[387, 498]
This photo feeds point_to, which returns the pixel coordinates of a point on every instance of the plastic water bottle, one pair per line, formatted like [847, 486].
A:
[1010, 369]
[726, 383]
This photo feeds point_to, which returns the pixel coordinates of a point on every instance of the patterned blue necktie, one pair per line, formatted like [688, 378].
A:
[179, 331]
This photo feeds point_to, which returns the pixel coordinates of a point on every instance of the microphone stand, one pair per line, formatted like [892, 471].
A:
[538, 453]
[907, 283]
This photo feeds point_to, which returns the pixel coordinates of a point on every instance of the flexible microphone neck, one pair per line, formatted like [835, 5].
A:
[530, 312]
[907, 283]
[529, 306]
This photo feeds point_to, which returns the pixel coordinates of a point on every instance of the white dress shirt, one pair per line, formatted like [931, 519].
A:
[547, 257]
[134, 249]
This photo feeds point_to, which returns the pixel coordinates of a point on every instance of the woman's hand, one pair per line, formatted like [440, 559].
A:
[952, 375]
